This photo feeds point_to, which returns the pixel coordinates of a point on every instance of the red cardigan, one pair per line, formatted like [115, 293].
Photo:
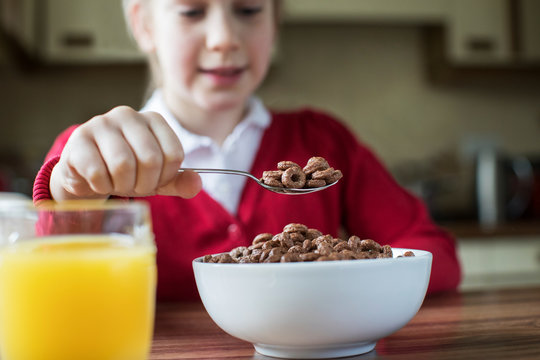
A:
[367, 202]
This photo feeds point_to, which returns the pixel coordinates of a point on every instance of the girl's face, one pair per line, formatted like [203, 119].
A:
[211, 53]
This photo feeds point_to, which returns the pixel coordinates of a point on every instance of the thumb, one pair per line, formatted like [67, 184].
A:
[186, 184]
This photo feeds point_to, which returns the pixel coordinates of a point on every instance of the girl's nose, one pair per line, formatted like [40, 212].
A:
[221, 34]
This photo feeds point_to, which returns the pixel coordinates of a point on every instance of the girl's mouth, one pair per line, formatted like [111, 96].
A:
[223, 71]
[223, 76]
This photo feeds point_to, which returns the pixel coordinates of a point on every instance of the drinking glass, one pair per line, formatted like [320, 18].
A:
[77, 281]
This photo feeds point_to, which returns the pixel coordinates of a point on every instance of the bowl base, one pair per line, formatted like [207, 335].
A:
[315, 352]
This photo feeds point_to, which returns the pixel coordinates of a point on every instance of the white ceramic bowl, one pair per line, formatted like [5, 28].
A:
[314, 309]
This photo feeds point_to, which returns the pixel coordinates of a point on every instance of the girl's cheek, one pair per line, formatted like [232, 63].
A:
[263, 48]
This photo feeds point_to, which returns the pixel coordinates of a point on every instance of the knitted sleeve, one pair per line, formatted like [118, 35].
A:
[41, 190]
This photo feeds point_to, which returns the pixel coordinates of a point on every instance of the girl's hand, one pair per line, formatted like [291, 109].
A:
[123, 153]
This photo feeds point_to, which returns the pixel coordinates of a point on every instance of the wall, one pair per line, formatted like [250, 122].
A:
[371, 77]
[374, 78]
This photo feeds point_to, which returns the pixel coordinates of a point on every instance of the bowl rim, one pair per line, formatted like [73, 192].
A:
[420, 256]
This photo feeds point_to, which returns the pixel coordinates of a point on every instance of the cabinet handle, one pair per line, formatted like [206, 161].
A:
[481, 44]
[77, 40]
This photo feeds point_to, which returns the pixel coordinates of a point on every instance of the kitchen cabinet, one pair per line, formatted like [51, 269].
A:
[472, 33]
[70, 31]
[494, 32]
[499, 261]
[478, 32]
[485, 40]
[387, 11]
[482, 33]
[529, 27]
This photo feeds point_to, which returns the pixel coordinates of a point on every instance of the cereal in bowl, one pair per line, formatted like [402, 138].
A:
[298, 243]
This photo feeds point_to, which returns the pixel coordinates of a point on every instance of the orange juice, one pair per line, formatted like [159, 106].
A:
[77, 298]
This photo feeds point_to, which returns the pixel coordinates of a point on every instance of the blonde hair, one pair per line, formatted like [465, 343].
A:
[154, 80]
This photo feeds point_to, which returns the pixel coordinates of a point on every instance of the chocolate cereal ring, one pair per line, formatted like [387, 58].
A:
[348, 255]
[262, 238]
[293, 178]
[307, 245]
[272, 182]
[336, 175]
[272, 174]
[294, 227]
[290, 257]
[342, 245]
[387, 251]
[325, 249]
[313, 234]
[309, 256]
[354, 242]
[323, 174]
[315, 183]
[296, 249]
[284, 239]
[297, 237]
[284, 165]
[237, 252]
[315, 163]
[370, 245]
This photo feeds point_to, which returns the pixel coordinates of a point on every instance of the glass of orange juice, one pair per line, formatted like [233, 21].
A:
[77, 281]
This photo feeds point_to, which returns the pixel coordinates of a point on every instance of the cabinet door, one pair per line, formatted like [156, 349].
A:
[86, 31]
[395, 11]
[16, 23]
[529, 16]
[479, 32]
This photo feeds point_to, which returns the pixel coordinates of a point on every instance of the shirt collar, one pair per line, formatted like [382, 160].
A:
[257, 115]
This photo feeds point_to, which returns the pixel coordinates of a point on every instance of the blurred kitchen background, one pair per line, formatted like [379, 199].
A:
[447, 93]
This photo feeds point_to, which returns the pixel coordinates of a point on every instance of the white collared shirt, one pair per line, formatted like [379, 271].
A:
[237, 152]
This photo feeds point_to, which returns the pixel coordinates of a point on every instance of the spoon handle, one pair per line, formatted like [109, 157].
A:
[219, 171]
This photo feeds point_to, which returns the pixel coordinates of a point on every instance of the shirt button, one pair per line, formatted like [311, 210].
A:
[233, 229]
[235, 232]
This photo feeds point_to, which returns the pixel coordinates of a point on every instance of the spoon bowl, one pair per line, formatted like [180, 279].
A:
[278, 190]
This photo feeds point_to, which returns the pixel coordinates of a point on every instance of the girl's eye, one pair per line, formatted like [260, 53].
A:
[192, 13]
[249, 10]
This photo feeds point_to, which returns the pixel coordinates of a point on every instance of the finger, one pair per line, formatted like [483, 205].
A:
[65, 183]
[118, 158]
[171, 148]
[147, 152]
[83, 158]
[74, 183]
[186, 184]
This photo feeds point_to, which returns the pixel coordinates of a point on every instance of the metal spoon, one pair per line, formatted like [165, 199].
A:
[287, 191]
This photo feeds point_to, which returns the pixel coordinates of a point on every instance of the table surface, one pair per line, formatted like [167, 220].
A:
[492, 324]
[472, 229]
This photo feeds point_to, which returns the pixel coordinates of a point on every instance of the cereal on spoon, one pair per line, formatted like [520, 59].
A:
[298, 243]
[316, 173]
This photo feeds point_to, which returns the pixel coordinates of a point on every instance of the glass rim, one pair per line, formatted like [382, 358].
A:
[72, 205]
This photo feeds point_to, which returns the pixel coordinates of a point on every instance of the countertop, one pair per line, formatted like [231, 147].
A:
[488, 324]
[472, 229]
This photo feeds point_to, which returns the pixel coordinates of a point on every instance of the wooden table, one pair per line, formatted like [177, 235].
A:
[494, 324]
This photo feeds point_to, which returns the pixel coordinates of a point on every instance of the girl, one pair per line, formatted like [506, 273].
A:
[208, 57]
